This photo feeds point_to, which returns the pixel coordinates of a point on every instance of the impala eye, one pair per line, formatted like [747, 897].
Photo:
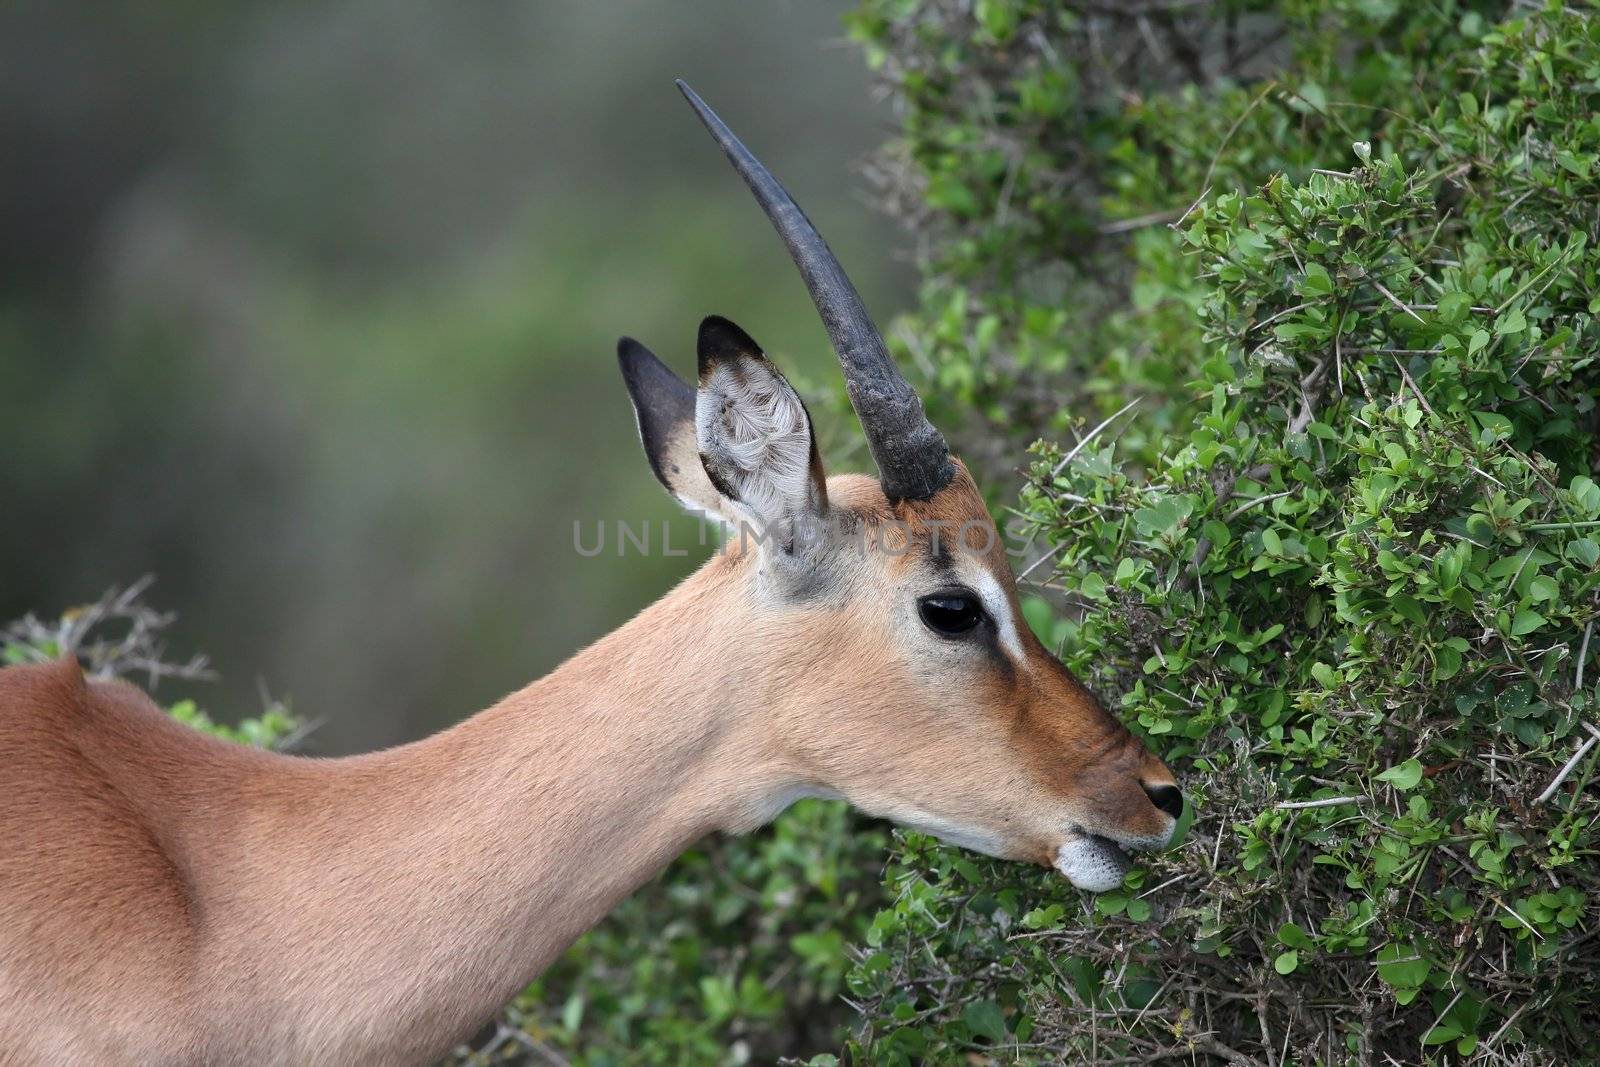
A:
[951, 613]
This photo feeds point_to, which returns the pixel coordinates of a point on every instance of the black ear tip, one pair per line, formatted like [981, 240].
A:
[659, 396]
[716, 324]
[720, 339]
[630, 355]
[643, 370]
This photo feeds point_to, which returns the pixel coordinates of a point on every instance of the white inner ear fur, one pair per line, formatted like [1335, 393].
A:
[752, 427]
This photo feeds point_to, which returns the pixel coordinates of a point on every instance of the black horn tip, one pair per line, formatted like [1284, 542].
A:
[700, 106]
[731, 145]
[688, 93]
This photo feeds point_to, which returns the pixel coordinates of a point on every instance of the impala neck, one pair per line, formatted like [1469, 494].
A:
[508, 836]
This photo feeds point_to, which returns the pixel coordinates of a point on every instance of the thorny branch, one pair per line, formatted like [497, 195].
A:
[116, 636]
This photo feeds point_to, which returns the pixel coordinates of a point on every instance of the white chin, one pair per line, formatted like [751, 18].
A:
[1092, 863]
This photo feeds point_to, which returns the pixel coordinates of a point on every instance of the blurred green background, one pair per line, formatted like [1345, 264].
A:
[310, 311]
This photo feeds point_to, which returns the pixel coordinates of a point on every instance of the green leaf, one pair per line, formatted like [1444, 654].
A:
[1440, 1034]
[1317, 281]
[1453, 308]
[984, 1019]
[1292, 935]
[1286, 962]
[1587, 495]
[998, 18]
[1402, 967]
[1447, 663]
[1163, 516]
[1509, 323]
[948, 192]
[572, 1012]
[1403, 776]
[1526, 622]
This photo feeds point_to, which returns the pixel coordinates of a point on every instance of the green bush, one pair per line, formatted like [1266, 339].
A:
[737, 954]
[1340, 563]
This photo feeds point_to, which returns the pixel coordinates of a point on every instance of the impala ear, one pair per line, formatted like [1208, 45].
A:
[663, 406]
[755, 437]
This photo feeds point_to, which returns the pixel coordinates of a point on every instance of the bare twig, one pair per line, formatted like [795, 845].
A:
[1253, 501]
[1216, 156]
[1139, 223]
[1566, 769]
[116, 636]
[1394, 299]
[1047, 555]
[1583, 654]
[1401, 367]
[1325, 802]
[1090, 436]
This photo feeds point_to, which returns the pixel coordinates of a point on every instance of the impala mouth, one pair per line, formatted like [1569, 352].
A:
[1093, 862]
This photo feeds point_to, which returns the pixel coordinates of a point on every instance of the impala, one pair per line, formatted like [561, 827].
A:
[167, 898]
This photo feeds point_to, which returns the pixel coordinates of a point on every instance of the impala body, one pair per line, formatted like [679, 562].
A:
[166, 898]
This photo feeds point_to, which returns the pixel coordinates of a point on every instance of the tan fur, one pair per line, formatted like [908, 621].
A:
[166, 898]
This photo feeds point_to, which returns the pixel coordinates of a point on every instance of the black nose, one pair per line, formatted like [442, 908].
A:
[1166, 797]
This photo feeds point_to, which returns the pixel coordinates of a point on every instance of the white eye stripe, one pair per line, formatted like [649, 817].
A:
[998, 606]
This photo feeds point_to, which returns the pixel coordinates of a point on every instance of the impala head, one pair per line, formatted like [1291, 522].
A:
[890, 604]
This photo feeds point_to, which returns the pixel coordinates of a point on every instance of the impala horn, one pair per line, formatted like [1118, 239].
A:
[912, 457]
